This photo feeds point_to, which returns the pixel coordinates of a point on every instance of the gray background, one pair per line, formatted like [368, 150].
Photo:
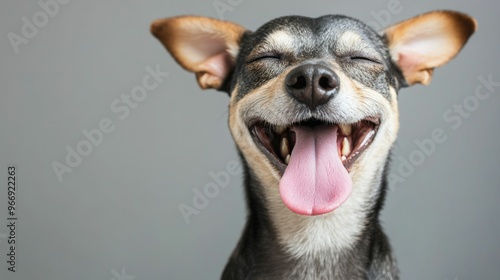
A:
[119, 208]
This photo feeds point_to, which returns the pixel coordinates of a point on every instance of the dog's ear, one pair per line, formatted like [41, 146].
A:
[422, 43]
[205, 46]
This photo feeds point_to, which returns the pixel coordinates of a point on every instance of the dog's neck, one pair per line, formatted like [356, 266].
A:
[279, 244]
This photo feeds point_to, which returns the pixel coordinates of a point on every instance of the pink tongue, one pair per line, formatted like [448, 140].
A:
[315, 181]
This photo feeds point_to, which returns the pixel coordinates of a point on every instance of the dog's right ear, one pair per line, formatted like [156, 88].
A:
[205, 46]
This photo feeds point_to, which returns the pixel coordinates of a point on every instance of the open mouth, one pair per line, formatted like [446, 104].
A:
[315, 159]
[278, 142]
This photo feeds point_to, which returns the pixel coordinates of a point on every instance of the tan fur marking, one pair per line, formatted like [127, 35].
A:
[255, 104]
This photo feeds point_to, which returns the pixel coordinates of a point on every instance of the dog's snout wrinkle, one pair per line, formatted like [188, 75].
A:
[312, 84]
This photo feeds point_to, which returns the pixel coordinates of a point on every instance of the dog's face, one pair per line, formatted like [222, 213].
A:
[313, 104]
[310, 96]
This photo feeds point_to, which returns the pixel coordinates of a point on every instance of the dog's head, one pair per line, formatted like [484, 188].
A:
[313, 103]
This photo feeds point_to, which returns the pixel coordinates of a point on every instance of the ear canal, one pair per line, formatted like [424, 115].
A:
[422, 43]
[205, 46]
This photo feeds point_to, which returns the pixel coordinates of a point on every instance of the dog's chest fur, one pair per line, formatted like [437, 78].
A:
[367, 259]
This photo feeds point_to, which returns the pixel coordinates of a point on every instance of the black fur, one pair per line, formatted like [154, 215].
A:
[258, 254]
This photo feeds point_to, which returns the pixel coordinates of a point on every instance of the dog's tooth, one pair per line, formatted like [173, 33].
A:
[279, 129]
[285, 148]
[343, 158]
[346, 129]
[346, 147]
[368, 136]
[287, 159]
[341, 128]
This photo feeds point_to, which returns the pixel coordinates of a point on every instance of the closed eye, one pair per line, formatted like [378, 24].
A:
[264, 56]
[361, 58]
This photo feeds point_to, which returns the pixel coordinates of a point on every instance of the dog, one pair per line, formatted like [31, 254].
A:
[314, 113]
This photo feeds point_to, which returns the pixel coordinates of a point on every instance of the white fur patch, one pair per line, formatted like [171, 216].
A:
[280, 40]
[352, 42]
[348, 39]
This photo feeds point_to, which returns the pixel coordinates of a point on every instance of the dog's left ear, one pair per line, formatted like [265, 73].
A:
[205, 46]
[422, 43]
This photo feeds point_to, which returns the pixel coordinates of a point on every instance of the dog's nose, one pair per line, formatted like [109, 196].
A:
[312, 84]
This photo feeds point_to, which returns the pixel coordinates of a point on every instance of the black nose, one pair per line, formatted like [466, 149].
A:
[312, 84]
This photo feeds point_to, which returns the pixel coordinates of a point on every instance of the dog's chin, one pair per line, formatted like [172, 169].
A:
[277, 142]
